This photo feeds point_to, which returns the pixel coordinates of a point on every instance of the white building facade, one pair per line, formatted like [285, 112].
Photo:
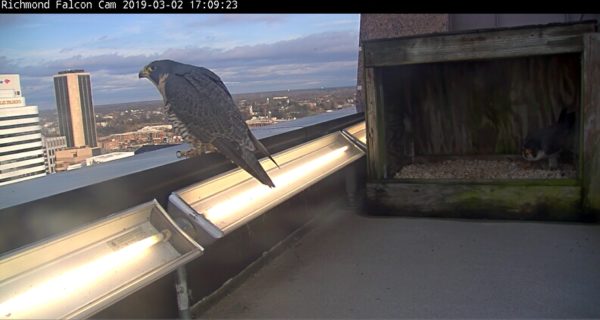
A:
[21, 150]
[51, 145]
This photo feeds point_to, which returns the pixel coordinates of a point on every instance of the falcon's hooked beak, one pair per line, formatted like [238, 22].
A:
[144, 73]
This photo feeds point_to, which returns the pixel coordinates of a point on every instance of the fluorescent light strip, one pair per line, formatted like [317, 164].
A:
[358, 132]
[219, 214]
[71, 281]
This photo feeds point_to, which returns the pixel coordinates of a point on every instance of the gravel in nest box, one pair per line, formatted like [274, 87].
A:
[483, 169]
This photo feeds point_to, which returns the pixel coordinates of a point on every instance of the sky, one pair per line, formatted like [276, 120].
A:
[251, 53]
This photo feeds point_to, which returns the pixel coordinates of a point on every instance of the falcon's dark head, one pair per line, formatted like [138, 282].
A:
[532, 148]
[156, 69]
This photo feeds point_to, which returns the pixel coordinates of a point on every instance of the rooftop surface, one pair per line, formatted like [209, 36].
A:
[355, 266]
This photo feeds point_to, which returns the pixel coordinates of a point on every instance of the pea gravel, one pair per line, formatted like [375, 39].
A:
[484, 169]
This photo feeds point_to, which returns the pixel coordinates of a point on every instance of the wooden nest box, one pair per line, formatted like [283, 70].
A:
[448, 114]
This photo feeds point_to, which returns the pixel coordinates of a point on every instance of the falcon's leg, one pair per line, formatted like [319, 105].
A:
[207, 148]
[193, 152]
[198, 149]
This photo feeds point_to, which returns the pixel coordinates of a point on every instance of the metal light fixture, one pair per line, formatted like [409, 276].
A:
[358, 134]
[220, 205]
[82, 272]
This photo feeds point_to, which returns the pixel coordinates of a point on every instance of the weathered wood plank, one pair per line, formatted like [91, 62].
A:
[376, 148]
[457, 108]
[477, 201]
[515, 42]
[591, 123]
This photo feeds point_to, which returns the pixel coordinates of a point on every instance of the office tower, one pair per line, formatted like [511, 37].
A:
[73, 92]
[51, 145]
[21, 151]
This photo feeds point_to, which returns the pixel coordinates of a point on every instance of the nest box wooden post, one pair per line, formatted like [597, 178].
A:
[591, 123]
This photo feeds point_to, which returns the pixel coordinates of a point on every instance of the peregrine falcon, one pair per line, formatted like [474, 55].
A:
[202, 111]
[550, 141]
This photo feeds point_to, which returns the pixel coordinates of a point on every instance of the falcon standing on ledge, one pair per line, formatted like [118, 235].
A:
[202, 111]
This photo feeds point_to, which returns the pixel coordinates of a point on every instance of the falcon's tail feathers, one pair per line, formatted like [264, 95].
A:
[246, 160]
[261, 147]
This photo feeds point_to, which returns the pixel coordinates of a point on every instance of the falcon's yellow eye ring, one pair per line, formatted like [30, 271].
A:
[150, 68]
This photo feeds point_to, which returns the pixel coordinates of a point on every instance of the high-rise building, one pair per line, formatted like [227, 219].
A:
[51, 145]
[21, 151]
[76, 119]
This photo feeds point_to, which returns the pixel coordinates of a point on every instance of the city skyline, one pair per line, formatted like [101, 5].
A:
[251, 53]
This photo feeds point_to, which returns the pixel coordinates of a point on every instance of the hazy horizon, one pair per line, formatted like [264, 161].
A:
[234, 94]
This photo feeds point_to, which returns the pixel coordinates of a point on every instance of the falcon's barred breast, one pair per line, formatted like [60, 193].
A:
[203, 112]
